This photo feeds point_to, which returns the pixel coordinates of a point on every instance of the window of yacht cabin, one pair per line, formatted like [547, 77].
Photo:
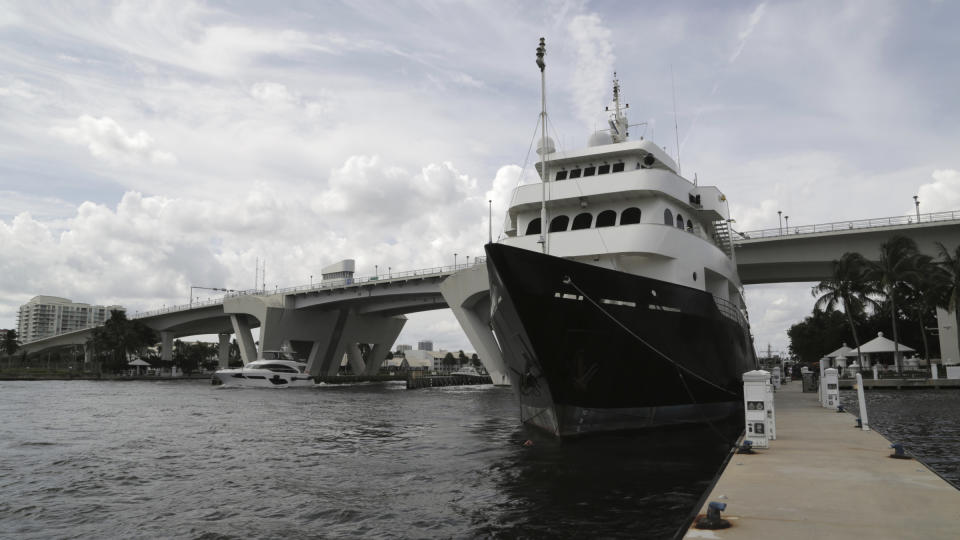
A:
[630, 216]
[618, 167]
[679, 222]
[561, 175]
[559, 224]
[533, 227]
[607, 218]
[574, 173]
[690, 229]
[582, 221]
[589, 171]
[603, 169]
[667, 217]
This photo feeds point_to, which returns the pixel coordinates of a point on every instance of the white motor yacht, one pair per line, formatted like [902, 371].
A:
[276, 370]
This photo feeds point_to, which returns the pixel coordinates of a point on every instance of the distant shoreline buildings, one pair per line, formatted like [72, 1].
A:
[46, 316]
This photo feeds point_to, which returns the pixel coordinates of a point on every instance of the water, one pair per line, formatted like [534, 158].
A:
[85, 459]
[926, 422]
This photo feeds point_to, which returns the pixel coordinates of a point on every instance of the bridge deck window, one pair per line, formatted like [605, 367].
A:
[589, 171]
[603, 169]
[559, 224]
[630, 216]
[679, 222]
[582, 221]
[607, 218]
[533, 227]
[618, 167]
[561, 175]
[574, 173]
[667, 217]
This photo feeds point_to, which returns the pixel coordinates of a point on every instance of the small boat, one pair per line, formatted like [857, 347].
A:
[278, 369]
[468, 371]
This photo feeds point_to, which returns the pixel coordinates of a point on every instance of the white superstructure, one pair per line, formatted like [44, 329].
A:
[622, 204]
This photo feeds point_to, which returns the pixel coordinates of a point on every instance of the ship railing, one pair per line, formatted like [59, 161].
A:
[838, 226]
[730, 310]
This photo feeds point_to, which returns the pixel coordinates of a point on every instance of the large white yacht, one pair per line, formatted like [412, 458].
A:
[615, 298]
[278, 369]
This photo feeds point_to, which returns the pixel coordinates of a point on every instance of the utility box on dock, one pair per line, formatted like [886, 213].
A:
[809, 382]
[831, 389]
[758, 408]
[775, 378]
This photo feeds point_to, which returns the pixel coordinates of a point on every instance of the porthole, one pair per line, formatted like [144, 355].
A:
[694, 276]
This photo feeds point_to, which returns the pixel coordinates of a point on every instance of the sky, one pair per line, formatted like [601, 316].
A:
[149, 146]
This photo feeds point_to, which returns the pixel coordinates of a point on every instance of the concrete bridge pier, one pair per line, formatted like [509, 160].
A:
[224, 356]
[166, 346]
[241, 329]
[378, 354]
[949, 343]
[468, 294]
[344, 330]
[355, 358]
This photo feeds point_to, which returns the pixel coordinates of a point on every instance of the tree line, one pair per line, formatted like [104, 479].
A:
[903, 286]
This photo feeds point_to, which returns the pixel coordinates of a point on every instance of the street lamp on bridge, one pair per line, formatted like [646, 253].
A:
[916, 202]
[787, 219]
[780, 216]
[192, 287]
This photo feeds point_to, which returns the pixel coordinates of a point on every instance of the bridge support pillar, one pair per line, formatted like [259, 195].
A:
[949, 342]
[355, 358]
[378, 354]
[468, 294]
[224, 356]
[166, 346]
[87, 354]
[241, 329]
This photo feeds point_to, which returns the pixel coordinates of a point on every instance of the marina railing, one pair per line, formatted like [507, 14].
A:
[848, 225]
[419, 273]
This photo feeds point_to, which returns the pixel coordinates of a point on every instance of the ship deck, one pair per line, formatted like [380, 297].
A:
[823, 478]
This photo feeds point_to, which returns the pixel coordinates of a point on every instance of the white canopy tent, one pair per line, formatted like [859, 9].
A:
[879, 344]
[839, 356]
[138, 364]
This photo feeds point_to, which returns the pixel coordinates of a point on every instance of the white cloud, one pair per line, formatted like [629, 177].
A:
[594, 66]
[271, 92]
[941, 195]
[18, 89]
[108, 141]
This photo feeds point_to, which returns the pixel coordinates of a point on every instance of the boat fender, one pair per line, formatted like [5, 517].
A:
[712, 520]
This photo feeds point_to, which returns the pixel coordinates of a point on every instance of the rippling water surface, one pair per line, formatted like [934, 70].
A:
[927, 422]
[185, 460]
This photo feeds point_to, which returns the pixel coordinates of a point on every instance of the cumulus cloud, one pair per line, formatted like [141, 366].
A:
[941, 195]
[108, 141]
[594, 65]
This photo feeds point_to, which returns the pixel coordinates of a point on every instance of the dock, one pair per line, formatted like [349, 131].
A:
[433, 381]
[824, 478]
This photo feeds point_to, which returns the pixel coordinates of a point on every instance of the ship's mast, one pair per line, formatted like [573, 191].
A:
[544, 239]
[618, 122]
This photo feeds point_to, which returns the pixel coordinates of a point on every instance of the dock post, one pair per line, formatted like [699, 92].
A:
[863, 402]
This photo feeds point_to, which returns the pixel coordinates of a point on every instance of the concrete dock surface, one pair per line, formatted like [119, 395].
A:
[823, 478]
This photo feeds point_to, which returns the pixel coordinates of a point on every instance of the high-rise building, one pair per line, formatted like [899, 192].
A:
[425, 345]
[45, 316]
[404, 348]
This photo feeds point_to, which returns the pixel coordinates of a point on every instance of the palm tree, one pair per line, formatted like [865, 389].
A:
[898, 258]
[950, 286]
[10, 342]
[924, 292]
[848, 289]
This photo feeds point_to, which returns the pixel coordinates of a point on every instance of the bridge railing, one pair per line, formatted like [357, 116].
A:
[849, 225]
[332, 284]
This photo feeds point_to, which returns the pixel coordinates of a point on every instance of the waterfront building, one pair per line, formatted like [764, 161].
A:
[46, 316]
[425, 345]
[404, 348]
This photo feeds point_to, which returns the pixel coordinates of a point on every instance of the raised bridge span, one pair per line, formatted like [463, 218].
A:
[334, 318]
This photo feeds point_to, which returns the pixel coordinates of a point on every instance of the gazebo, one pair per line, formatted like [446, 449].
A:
[138, 363]
[839, 357]
[877, 345]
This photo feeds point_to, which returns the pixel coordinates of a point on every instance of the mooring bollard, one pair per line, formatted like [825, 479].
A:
[898, 451]
[862, 421]
[712, 520]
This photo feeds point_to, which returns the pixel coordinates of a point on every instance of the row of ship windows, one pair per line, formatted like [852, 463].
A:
[606, 168]
[607, 218]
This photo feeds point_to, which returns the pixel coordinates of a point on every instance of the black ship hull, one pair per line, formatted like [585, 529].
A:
[591, 349]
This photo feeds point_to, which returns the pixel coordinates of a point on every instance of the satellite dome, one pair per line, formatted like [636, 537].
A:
[551, 148]
[600, 138]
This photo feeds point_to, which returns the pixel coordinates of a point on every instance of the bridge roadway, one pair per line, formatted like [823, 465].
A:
[333, 319]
